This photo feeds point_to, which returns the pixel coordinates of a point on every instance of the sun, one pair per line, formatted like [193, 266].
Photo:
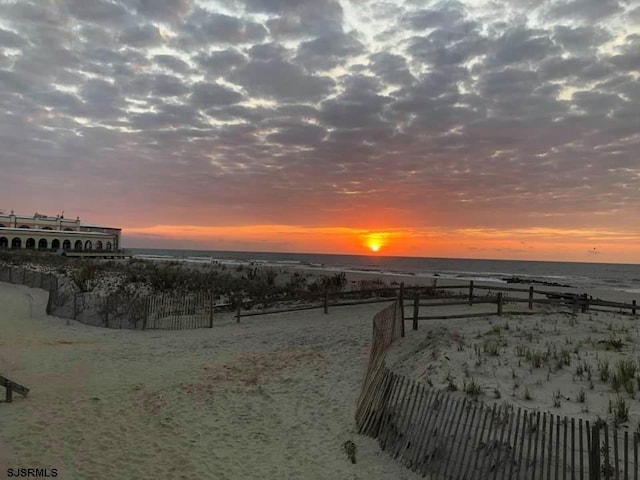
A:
[375, 242]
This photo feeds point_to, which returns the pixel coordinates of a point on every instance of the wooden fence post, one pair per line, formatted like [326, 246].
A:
[416, 309]
[211, 309]
[238, 308]
[107, 312]
[633, 310]
[499, 303]
[401, 306]
[531, 298]
[594, 454]
[575, 304]
[470, 293]
[326, 300]
[145, 312]
[584, 305]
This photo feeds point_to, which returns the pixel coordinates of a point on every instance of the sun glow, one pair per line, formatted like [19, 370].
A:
[376, 241]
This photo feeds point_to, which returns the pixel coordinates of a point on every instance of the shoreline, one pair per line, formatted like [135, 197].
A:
[555, 280]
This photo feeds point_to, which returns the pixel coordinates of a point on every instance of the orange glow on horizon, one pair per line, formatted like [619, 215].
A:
[551, 244]
[376, 241]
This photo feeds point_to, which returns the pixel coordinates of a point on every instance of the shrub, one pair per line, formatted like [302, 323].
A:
[473, 389]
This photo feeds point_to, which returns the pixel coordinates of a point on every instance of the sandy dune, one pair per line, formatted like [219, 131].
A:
[270, 398]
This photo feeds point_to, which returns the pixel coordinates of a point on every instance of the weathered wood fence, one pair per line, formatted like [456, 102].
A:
[311, 301]
[448, 436]
[438, 298]
[159, 312]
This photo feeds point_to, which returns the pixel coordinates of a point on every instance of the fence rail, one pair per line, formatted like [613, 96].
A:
[159, 312]
[577, 302]
[446, 436]
[196, 311]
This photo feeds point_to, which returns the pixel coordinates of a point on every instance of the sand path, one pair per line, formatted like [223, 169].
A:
[270, 398]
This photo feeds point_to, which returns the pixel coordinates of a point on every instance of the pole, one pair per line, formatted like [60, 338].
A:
[211, 309]
[238, 308]
[107, 312]
[531, 298]
[145, 312]
[499, 303]
[326, 300]
[416, 309]
[585, 306]
[401, 306]
[470, 293]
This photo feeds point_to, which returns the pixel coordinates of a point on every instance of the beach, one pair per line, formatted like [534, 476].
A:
[274, 396]
[271, 397]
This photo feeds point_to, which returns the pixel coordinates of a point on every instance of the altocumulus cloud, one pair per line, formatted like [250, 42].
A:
[455, 114]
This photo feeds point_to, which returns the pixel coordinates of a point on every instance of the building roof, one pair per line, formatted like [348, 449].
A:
[82, 224]
[56, 232]
[47, 217]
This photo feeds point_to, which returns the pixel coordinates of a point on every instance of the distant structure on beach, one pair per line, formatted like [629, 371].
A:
[42, 232]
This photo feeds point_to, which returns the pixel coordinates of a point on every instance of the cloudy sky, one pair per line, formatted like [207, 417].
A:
[475, 128]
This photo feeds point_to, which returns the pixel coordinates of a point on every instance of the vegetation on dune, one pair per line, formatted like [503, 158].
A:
[244, 281]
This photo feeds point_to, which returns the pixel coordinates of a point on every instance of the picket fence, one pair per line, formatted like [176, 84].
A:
[444, 435]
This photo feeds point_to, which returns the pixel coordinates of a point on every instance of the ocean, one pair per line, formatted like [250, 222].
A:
[623, 277]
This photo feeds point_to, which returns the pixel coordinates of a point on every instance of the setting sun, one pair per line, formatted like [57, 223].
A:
[376, 241]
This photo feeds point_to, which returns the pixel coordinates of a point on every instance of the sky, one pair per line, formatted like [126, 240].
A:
[471, 129]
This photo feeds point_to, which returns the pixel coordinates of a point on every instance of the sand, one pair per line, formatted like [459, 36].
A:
[274, 396]
[550, 361]
[270, 398]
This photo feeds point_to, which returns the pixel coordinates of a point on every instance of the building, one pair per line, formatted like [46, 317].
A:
[41, 232]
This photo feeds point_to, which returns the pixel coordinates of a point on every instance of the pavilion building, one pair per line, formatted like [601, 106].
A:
[42, 232]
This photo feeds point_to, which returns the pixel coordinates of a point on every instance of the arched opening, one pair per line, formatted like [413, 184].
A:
[4, 242]
[55, 244]
[24, 226]
[98, 245]
[31, 243]
[16, 243]
[67, 229]
[66, 245]
[77, 245]
[42, 244]
[47, 228]
[108, 245]
[88, 245]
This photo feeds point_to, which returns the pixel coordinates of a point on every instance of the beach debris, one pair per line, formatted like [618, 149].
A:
[350, 450]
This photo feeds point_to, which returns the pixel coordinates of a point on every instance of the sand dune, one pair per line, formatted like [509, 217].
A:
[270, 398]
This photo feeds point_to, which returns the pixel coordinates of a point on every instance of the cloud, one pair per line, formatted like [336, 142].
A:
[206, 95]
[324, 53]
[589, 10]
[221, 62]
[459, 114]
[282, 81]
[203, 28]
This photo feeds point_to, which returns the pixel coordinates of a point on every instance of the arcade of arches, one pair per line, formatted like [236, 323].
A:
[50, 242]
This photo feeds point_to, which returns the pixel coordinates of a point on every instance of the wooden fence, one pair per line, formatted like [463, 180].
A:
[577, 302]
[449, 436]
[159, 312]
[311, 301]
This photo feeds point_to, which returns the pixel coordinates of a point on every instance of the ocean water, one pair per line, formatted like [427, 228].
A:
[624, 277]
